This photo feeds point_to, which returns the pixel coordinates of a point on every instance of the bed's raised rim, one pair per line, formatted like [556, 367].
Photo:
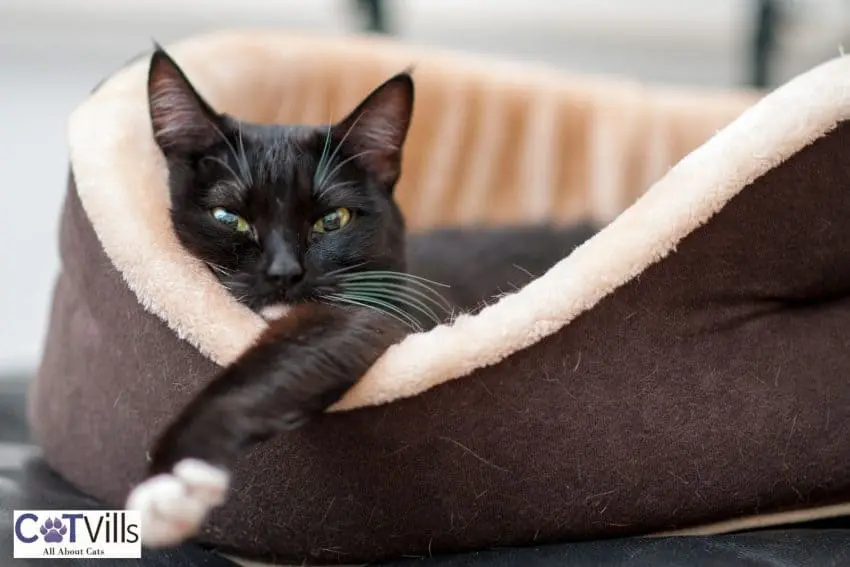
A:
[112, 148]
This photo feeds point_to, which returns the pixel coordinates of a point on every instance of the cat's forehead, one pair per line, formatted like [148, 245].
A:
[278, 155]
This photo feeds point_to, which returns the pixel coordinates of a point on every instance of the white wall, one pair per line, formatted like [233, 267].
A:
[52, 52]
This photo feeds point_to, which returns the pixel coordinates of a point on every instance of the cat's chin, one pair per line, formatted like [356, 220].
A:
[274, 311]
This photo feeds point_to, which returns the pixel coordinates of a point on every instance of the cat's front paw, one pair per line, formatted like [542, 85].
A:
[173, 506]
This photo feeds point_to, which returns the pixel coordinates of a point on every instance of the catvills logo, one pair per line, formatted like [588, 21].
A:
[54, 534]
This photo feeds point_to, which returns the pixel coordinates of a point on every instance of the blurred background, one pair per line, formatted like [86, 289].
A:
[52, 52]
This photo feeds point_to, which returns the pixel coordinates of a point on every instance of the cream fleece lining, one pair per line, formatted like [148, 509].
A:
[121, 180]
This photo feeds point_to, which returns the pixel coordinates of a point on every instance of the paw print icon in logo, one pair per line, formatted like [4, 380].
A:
[53, 529]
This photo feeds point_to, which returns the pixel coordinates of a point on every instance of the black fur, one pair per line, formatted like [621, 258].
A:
[275, 177]
[301, 365]
[484, 263]
[351, 289]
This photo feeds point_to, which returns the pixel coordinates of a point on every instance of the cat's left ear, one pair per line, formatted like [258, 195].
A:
[376, 130]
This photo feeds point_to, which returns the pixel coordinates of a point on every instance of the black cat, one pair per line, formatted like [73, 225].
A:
[304, 217]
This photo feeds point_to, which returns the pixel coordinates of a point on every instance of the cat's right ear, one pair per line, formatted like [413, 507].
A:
[183, 123]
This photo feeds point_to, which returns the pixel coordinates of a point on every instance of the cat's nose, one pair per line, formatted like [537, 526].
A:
[284, 270]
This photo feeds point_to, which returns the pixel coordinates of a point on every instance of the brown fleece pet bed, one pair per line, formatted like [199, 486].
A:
[684, 370]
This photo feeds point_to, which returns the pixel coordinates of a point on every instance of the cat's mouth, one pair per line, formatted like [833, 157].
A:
[274, 311]
[275, 297]
[264, 297]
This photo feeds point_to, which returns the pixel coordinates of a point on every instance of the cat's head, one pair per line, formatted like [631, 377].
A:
[279, 212]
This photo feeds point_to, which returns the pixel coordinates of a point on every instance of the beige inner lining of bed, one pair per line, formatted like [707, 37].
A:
[491, 142]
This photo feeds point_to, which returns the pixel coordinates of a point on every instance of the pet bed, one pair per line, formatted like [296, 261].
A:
[27, 483]
[681, 372]
[32, 485]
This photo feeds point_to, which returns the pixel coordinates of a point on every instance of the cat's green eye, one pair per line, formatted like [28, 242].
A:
[333, 220]
[232, 220]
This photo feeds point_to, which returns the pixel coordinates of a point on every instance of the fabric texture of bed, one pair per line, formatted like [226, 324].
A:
[33, 485]
[680, 372]
[29, 484]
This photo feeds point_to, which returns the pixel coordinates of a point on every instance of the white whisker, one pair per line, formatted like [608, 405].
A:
[246, 175]
[320, 168]
[236, 178]
[247, 166]
[345, 161]
[339, 145]
[339, 185]
[220, 269]
[401, 316]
